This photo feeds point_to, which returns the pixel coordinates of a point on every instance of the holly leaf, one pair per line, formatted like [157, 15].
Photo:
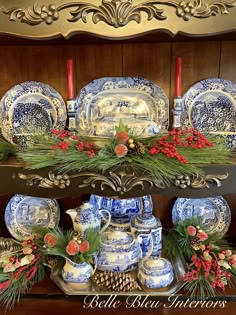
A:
[121, 127]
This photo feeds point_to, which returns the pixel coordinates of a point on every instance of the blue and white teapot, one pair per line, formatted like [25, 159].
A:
[119, 252]
[88, 217]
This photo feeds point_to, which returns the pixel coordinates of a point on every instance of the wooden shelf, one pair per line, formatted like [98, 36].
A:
[122, 182]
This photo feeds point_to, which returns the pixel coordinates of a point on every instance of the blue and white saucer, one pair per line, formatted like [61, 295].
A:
[24, 212]
[214, 213]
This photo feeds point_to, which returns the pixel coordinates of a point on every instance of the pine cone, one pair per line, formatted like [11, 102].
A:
[115, 281]
[195, 242]
[8, 245]
[138, 148]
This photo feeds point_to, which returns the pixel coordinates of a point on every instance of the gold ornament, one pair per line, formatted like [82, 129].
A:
[130, 140]
[115, 281]
[131, 145]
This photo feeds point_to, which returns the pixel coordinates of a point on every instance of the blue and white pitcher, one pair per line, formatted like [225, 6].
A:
[77, 275]
[88, 217]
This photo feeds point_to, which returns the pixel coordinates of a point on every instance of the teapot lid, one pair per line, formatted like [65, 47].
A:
[146, 221]
[115, 238]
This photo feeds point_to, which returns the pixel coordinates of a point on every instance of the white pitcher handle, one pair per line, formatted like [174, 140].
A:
[150, 250]
[108, 220]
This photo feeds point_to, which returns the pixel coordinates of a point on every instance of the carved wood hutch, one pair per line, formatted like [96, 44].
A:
[114, 38]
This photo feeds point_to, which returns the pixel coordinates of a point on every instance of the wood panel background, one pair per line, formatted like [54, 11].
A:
[152, 60]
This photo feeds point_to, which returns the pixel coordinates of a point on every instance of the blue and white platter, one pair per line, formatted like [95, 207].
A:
[138, 102]
[214, 213]
[31, 106]
[210, 106]
[24, 212]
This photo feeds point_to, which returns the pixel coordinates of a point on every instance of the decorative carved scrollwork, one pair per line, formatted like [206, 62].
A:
[199, 181]
[119, 182]
[61, 181]
[118, 13]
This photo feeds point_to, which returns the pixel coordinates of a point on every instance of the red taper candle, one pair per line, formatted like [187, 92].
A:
[178, 77]
[70, 79]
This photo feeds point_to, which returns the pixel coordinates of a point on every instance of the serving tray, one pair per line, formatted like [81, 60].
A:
[179, 266]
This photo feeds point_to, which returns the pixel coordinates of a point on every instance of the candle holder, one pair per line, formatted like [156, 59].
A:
[177, 110]
[71, 125]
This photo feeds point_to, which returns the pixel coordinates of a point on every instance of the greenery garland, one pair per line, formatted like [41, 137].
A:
[179, 152]
[212, 263]
[21, 266]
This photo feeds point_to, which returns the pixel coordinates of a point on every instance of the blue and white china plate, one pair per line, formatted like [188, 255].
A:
[214, 213]
[24, 212]
[138, 102]
[31, 106]
[210, 106]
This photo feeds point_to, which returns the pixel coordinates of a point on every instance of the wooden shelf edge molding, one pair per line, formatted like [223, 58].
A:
[115, 19]
[120, 182]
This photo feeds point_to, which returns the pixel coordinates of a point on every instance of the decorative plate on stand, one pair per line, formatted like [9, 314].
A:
[31, 106]
[24, 212]
[138, 102]
[210, 107]
[214, 213]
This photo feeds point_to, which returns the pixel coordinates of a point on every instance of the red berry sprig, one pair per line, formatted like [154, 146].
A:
[176, 138]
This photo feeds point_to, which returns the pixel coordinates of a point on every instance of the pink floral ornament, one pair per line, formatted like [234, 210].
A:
[84, 247]
[202, 235]
[50, 240]
[122, 136]
[72, 248]
[191, 230]
[121, 150]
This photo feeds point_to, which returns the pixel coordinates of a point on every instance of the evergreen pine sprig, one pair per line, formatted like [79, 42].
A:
[162, 157]
[212, 263]
[68, 244]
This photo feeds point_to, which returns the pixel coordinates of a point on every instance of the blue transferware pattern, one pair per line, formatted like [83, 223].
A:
[88, 217]
[214, 213]
[118, 248]
[155, 273]
[134, 100]
[41, 98]
[77, 273]
[145, 242]
[24, 212]
[209, 106]
[123, 209]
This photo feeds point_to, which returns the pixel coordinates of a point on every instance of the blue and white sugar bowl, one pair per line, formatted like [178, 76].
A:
[119, 252]
[155, 272]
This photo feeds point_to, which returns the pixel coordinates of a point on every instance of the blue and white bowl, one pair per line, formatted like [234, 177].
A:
[123, 208]
[214, 213]
[155, 272]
